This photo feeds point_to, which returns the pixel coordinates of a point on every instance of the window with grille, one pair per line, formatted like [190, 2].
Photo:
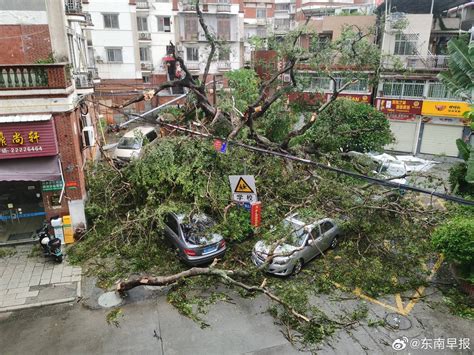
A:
[192, 54]
[362, 84]
[405, 44]
[320, 83]
[164, 24]
[261, 32]
[437, 90]
[262, 13]
[282, 7]
[111, 20]
[114, 55]
[142, 23]
[405, 88]
[223, 29]
[319, 42]
[145, 55]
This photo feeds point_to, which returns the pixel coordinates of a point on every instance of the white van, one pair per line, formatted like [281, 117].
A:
[130, 145]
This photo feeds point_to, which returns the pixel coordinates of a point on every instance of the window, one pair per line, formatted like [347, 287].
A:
[362, 84]
[224, 54]
[169, 50]
[315, 233]
[282, 7]
[262, 13]
[326, 226]
[261, 32]
[142, 23]
[318, 84]
[437, 90]
[282, 24]
[406, 88]
[146, 79]
[405, 44]
[151, 136]
[192, 54]
[319, 42]
[114, 55]
[111, 20]
[164, 24]
[223, 29]
[145, 54]
[172, 223]
[191, 30]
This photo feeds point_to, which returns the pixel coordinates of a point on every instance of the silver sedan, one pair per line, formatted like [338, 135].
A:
[305, 243]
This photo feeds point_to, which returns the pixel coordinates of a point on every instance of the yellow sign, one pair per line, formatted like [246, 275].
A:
[243, 187]
[444, 108]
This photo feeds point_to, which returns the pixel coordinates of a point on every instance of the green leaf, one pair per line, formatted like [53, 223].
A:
[464, 149]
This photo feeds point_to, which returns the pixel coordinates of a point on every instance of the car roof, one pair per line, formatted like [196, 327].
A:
[309, 226]
[137, 130]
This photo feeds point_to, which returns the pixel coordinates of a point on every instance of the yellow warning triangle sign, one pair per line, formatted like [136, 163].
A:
[243, 187]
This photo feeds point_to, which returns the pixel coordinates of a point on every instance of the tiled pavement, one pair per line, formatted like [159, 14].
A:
[27, 281]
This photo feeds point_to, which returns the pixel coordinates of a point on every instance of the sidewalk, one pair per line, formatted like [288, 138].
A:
[30, 281]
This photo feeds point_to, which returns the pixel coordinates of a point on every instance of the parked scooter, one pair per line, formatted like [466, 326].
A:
[51, 245]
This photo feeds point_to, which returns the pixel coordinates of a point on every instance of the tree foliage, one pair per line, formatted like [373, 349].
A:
[347, 125]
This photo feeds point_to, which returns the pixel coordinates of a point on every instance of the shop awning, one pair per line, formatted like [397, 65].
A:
[30, 169]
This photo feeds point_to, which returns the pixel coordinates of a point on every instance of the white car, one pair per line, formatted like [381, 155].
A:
[130, 145]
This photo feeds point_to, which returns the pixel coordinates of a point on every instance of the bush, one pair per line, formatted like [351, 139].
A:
[455, 239]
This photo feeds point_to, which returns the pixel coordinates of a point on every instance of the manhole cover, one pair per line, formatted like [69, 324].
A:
[397, 321]
[109, 299]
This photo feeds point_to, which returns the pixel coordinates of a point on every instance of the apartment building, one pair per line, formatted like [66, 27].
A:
[425, 118]
[47, 125]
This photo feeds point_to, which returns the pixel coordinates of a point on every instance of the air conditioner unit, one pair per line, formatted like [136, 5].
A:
[99, 59]
[286, 78]
[88, 136]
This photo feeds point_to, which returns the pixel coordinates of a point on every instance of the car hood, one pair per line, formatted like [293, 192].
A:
[262, 248]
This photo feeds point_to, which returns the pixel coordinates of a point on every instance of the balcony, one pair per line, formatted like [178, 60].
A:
[188, 7]
[34, 76]
[73, 9]
[143, 5]
[192, 65]
[415, 62]
[83, 80]
[146, 66]
[223, 65]
[190, 36]
[223, 8]
[144, 36]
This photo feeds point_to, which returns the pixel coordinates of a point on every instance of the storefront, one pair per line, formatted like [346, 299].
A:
[30, 174]
[404, 122]
[362, 98]
[442, 125]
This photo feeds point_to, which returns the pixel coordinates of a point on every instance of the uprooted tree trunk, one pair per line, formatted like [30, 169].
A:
[225, 276]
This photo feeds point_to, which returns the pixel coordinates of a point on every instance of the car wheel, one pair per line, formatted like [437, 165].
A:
[298, 266]
[334, 243]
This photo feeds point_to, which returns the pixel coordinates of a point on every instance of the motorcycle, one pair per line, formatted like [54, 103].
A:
[51, 246]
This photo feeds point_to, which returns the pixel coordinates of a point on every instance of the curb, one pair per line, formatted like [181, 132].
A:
[36, 305]
[46, 303]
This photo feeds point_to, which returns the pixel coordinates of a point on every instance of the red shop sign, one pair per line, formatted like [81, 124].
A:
[363, 98]
[400, 106]
[27, 139]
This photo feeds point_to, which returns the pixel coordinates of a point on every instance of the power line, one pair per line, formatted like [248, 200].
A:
[373, 180]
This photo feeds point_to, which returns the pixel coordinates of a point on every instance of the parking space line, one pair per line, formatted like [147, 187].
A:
[401, 309]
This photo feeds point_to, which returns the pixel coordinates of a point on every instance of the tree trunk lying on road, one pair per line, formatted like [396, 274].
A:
[224, 275]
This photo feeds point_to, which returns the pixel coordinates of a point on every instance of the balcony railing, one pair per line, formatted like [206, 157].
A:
[144, 36]
[192, 65]
[223, 7]
[83, 80]
[143, 5]
[261, 21]
[439, 62]
[146, 66]
[188, 7]
[73, 7]
[34, 76]
[224, 65]
[88, 19]
[432, 62]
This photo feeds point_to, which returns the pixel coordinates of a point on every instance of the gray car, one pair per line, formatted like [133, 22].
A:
[191, 238]
[306, 242]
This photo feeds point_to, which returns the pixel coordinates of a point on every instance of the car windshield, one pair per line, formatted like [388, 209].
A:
[196, 232]
[129, 143]
[298, 234]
